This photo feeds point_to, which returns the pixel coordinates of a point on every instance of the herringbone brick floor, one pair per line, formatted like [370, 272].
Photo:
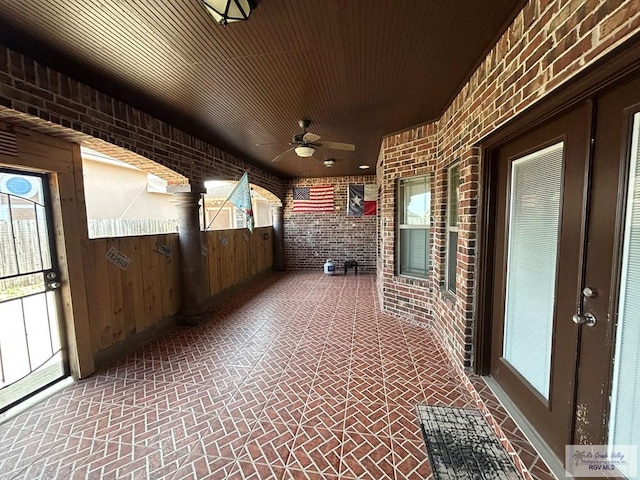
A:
[298, 376]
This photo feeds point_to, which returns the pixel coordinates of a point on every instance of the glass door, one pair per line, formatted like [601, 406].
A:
[538, 249]
[624, 418]
[566, 274]
[32, 353]
[608, 394]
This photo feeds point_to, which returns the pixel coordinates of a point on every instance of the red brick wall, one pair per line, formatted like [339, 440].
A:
[411, 153]
[311, 238]
[549, 42]
[44, 100]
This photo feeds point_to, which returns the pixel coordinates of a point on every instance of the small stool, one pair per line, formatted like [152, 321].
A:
[350, 264]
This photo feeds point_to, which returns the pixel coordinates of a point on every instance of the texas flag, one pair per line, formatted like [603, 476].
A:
[362, 200]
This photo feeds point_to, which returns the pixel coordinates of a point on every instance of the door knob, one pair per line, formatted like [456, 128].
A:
[588, 319]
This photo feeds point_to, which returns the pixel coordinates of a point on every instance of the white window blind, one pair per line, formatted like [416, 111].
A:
[534, 216]
[414, 213]
[624, 425]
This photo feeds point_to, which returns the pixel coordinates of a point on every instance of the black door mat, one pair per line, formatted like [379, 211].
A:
[461, 445]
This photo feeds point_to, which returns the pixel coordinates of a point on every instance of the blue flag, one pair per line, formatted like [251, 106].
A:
[241, 198]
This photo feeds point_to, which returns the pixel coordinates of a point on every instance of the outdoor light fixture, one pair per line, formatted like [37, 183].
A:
[304, 151]
[328, 163]
[363, 167]
[229, 11]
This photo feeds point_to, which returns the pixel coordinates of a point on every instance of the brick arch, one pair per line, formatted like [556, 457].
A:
[272, 197]
[44, 100]
[233, 180]
[172, 177]
[114, 151]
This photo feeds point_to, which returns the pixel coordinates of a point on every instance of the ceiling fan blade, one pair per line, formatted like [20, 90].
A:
[338, 146]
[282, 154]
[271, 144]
[310, 137]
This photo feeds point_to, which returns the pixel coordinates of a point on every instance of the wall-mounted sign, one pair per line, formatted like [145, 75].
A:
[118, 258]
[20, 186]
[162, 249]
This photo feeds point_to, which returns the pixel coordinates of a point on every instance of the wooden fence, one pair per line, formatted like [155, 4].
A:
[23, 248]
[236, 255]
[25, 240]
[126, 302]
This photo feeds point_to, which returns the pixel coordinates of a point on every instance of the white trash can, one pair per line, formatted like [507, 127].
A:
[329, 267]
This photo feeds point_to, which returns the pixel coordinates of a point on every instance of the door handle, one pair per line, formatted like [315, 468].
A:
[52, 280]
[588, 319]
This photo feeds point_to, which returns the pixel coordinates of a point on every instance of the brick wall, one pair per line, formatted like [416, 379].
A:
[41, 99]
[548, 43]
[414, 153]
[311, 238]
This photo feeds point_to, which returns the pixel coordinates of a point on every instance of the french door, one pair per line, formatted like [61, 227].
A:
[538, 244]
[566, 273]
[32, 353]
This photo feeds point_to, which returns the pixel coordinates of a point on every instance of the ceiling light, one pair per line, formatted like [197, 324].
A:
[229, 11]
[304, 151]
[328, 163]
[363, 167]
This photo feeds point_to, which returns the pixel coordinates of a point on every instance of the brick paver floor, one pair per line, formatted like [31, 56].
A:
[297, 376]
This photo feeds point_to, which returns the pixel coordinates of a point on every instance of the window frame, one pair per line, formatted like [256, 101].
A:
[401, 205]
[449, 229]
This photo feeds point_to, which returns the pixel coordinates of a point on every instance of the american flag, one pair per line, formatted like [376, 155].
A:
[313, 199]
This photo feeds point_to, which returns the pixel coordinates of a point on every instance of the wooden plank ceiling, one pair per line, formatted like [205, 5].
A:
[357, 69]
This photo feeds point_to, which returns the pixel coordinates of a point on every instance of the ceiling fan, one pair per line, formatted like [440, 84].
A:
[305, 143]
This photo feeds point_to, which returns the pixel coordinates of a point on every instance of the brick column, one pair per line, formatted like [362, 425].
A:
[194, 308]
[277, 220]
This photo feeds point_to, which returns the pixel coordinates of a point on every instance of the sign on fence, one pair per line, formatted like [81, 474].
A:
[162, 249]
[118, 258]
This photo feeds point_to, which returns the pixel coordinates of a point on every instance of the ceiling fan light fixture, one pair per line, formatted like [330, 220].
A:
[229, 11]
[304, 151]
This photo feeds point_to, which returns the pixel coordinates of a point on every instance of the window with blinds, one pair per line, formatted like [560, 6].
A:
[414, 222]
[624, 422]
[453, 195]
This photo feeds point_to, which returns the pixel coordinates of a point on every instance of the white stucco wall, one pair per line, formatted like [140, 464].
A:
[120, 192]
